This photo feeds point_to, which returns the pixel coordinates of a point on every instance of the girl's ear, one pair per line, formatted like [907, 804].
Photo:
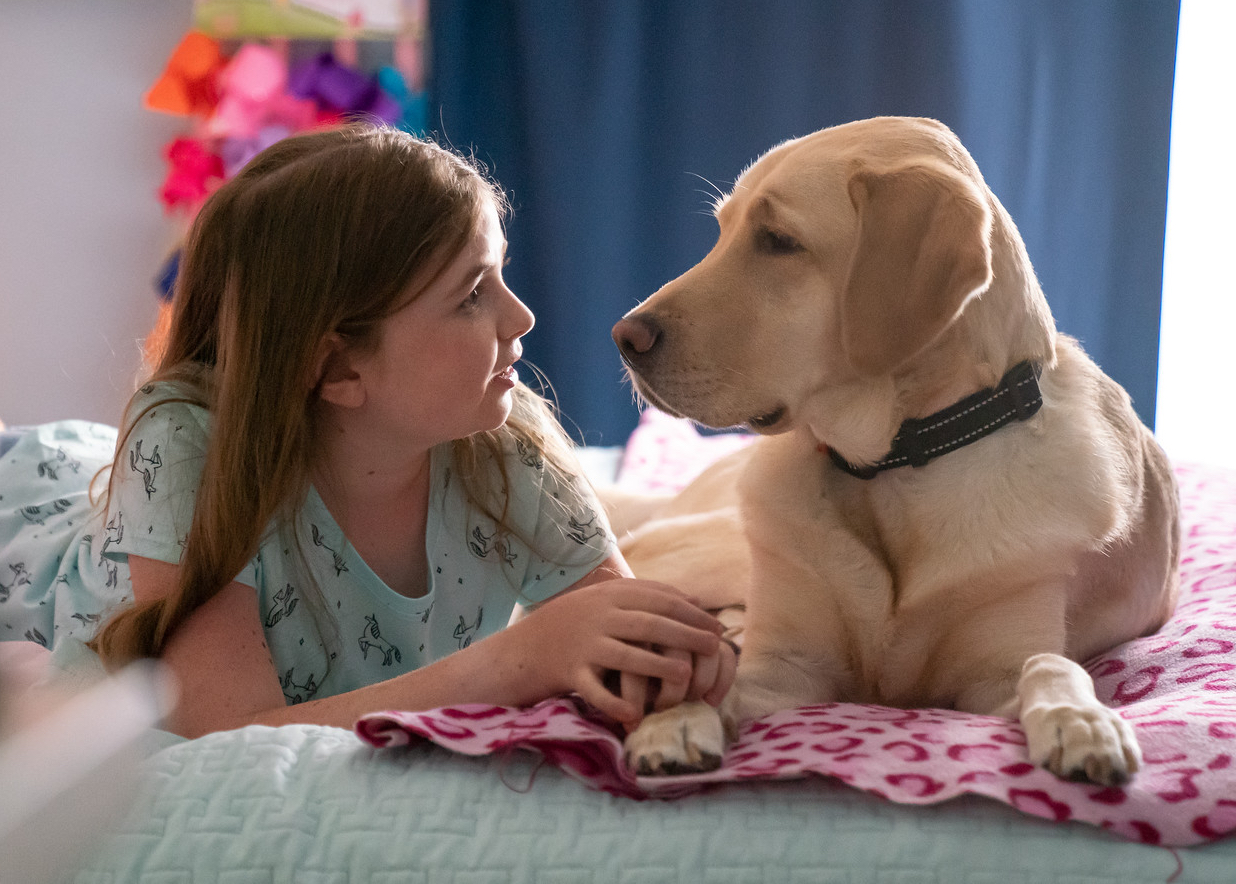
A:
[334, 376]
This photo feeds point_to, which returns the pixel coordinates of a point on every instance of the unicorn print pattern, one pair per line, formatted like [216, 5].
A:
[465, 632]
[37, 515]
[285, 604]
[298, 693]
[21, 577]
[584, 529]
[147, 466]
[115, 534]
[371, 639]
[51, 467]
[337, 560]
[483, 544]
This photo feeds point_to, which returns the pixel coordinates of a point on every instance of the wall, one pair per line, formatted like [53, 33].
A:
[82, 233]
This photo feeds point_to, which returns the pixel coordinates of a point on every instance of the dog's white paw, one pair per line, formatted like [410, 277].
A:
[1088, 742]
[689, 738]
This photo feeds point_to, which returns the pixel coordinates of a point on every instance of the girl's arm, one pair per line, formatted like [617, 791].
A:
[227, 679]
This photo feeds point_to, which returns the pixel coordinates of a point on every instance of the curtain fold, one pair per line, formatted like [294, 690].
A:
[612, 124]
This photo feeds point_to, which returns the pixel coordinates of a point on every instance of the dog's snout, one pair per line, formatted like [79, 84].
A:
[636, 337]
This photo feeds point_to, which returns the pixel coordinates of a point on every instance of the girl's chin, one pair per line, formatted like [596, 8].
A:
[501, 411]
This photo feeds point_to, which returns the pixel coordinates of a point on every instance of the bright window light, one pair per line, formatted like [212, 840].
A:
[1195, 420]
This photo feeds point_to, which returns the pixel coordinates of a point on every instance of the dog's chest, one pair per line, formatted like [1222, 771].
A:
[908, 567]
[914, 585]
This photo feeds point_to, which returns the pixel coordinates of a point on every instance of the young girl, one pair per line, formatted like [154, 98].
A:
[333, 490]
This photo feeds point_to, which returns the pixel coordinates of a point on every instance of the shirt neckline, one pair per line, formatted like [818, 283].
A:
[316, 511]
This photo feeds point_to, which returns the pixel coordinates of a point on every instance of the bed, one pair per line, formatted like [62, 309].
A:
[841, 793]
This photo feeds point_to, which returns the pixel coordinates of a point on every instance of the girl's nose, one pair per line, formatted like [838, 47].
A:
[518, 319]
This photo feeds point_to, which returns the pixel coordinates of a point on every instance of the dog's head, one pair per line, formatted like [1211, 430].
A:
[842, 292]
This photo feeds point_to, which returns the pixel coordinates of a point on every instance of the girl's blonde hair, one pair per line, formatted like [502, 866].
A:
[321, 233]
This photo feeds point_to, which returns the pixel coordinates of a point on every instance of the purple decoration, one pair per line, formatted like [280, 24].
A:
[384, 107]
[236, 152]
[343, 89]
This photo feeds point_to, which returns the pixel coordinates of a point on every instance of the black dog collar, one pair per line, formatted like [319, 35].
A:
[1015, 398]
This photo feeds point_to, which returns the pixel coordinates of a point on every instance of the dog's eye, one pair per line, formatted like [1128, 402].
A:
[774, 243]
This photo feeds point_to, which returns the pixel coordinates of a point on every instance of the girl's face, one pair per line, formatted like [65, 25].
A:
[443, 368]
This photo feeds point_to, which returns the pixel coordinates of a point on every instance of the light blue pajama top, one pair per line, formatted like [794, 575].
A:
[63, 563]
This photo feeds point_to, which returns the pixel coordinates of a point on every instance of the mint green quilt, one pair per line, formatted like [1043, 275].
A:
[312, 805]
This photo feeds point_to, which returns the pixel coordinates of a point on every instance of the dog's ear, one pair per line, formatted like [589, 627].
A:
[923, 249]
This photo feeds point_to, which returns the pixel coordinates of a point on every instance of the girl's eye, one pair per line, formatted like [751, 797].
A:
[470, 302]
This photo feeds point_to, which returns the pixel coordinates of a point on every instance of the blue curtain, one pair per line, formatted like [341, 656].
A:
[609, 122]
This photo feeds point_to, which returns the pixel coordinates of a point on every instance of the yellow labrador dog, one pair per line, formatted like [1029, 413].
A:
[951, 504]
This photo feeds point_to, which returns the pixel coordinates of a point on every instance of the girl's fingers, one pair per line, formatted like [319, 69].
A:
[704, 676]
[658, 598]
[643, 627]
[727, 668]
[594, 692]
[634, 690]
[674, 692]
[638, 661]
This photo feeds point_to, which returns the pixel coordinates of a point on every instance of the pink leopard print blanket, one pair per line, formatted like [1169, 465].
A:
[1178, 688]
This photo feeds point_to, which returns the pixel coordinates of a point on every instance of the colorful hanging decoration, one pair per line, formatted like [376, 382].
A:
[187, 86]
[243, 103]
[231, 79]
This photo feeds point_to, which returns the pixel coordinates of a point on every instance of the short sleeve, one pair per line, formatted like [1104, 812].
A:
[155, 481]
[571, 535]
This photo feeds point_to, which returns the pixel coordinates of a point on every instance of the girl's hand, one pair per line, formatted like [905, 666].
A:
[613, 625]
[711, 678]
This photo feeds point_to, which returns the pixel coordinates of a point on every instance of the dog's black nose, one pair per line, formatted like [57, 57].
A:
[636, 337]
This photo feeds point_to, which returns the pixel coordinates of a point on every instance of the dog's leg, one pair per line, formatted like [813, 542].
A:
[1068, 730]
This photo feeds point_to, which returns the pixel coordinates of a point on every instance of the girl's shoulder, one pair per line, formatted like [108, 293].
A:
[162, 403]
[535, 485]
[168, 392]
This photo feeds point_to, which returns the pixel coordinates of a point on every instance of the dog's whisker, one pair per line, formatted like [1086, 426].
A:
[717, 190]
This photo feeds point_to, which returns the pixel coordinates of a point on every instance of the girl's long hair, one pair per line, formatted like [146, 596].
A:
[321, 233]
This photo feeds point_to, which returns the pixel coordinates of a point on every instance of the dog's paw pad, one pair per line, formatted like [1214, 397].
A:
[686, 739]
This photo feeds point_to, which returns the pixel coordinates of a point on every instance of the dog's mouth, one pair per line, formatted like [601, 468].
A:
[768, 423]
[765, 423]
[644, 392]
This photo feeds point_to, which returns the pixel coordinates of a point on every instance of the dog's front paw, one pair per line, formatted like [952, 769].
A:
[688, 738]
[1082, 743]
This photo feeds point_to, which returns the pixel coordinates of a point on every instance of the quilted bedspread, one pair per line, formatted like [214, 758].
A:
[840, 793]
[1177, 688]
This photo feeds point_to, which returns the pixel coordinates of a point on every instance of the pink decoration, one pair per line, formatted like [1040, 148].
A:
[193, 173]
[1177, 688]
